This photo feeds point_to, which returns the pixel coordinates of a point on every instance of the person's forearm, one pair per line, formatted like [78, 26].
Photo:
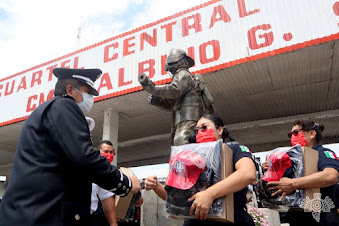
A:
[112, 216]
[160, 191]
[108, 206]
[233, 183]
[325, 178]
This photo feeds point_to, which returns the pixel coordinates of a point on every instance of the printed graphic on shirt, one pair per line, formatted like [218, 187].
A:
[330, 155]
[244, 149]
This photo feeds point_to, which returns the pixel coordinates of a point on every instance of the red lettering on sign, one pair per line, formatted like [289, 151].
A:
[242, 9]
[50, 71]
[49, 96]
[1, 86]
[107, 56]
[146, 37]
[196, 24]
[76, 63]
[150, 69]
[336, 8]
[32, 100]
[268, 37]
[22, 84]
[168, 28]
[30, 106]
[122, 77]
[36, 77]
[64, 64]
[216, 51]
[128, 45]
[105, 82]
[163, 62]
[191, 53]
[219, 10]
[8, 92]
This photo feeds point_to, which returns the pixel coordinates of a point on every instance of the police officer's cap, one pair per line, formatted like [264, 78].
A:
[178, 54]
[87, 76]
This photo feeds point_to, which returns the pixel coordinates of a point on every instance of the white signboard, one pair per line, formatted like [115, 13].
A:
[216, 34]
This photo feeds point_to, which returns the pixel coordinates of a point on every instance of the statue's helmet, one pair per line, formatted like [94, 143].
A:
[175, 56]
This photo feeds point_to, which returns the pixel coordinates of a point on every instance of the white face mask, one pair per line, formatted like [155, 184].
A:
[87, 102]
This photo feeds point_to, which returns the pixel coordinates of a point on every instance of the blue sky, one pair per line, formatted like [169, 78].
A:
[36, 31]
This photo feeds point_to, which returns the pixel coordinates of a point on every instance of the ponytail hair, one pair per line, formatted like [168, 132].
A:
[308, 125]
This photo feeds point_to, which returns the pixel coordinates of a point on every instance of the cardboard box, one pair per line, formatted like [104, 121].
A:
[311, 158]
[122, 203]
[310, 164]
[227, 169]
[227, 214]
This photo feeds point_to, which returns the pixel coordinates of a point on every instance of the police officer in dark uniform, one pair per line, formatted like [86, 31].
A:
[55, 163]
[308, 133]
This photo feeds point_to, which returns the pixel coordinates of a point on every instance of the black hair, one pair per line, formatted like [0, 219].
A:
[104, 142]
[60, 87]
[308, 125]
[219, 123]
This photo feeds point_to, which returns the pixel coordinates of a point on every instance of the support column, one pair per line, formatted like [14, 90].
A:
[110, 130]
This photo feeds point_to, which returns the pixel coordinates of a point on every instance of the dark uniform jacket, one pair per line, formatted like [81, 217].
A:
[54, 167]
[328, 216]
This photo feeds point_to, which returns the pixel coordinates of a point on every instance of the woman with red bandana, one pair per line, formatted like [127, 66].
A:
[309, 134]
[211, 128]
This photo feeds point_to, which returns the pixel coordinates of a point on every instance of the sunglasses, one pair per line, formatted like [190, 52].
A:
[294, 132]
[203, 128]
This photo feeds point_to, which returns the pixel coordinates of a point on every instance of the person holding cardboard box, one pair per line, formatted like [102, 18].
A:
[309, 134]
[211, 128]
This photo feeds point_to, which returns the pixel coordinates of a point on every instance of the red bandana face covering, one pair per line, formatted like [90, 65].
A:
[298, 139]
[205, 136]
[109, 156]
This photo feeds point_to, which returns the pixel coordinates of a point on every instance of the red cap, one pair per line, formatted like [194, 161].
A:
[280, 161]
[186, 167]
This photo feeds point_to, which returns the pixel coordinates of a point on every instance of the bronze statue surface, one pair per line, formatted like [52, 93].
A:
[184, 96]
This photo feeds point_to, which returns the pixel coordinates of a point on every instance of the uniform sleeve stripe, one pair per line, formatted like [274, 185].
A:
[121, 176]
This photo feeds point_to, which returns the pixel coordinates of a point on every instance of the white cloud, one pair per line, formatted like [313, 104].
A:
[37, 31]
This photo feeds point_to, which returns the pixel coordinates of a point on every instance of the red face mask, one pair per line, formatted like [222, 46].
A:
[205, 136]
[109, 156]
[298, 139]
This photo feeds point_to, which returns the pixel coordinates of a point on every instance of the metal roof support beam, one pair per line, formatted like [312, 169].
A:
[145, 139]
[282, 120]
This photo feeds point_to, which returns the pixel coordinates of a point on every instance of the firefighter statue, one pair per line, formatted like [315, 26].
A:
[187, 96]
